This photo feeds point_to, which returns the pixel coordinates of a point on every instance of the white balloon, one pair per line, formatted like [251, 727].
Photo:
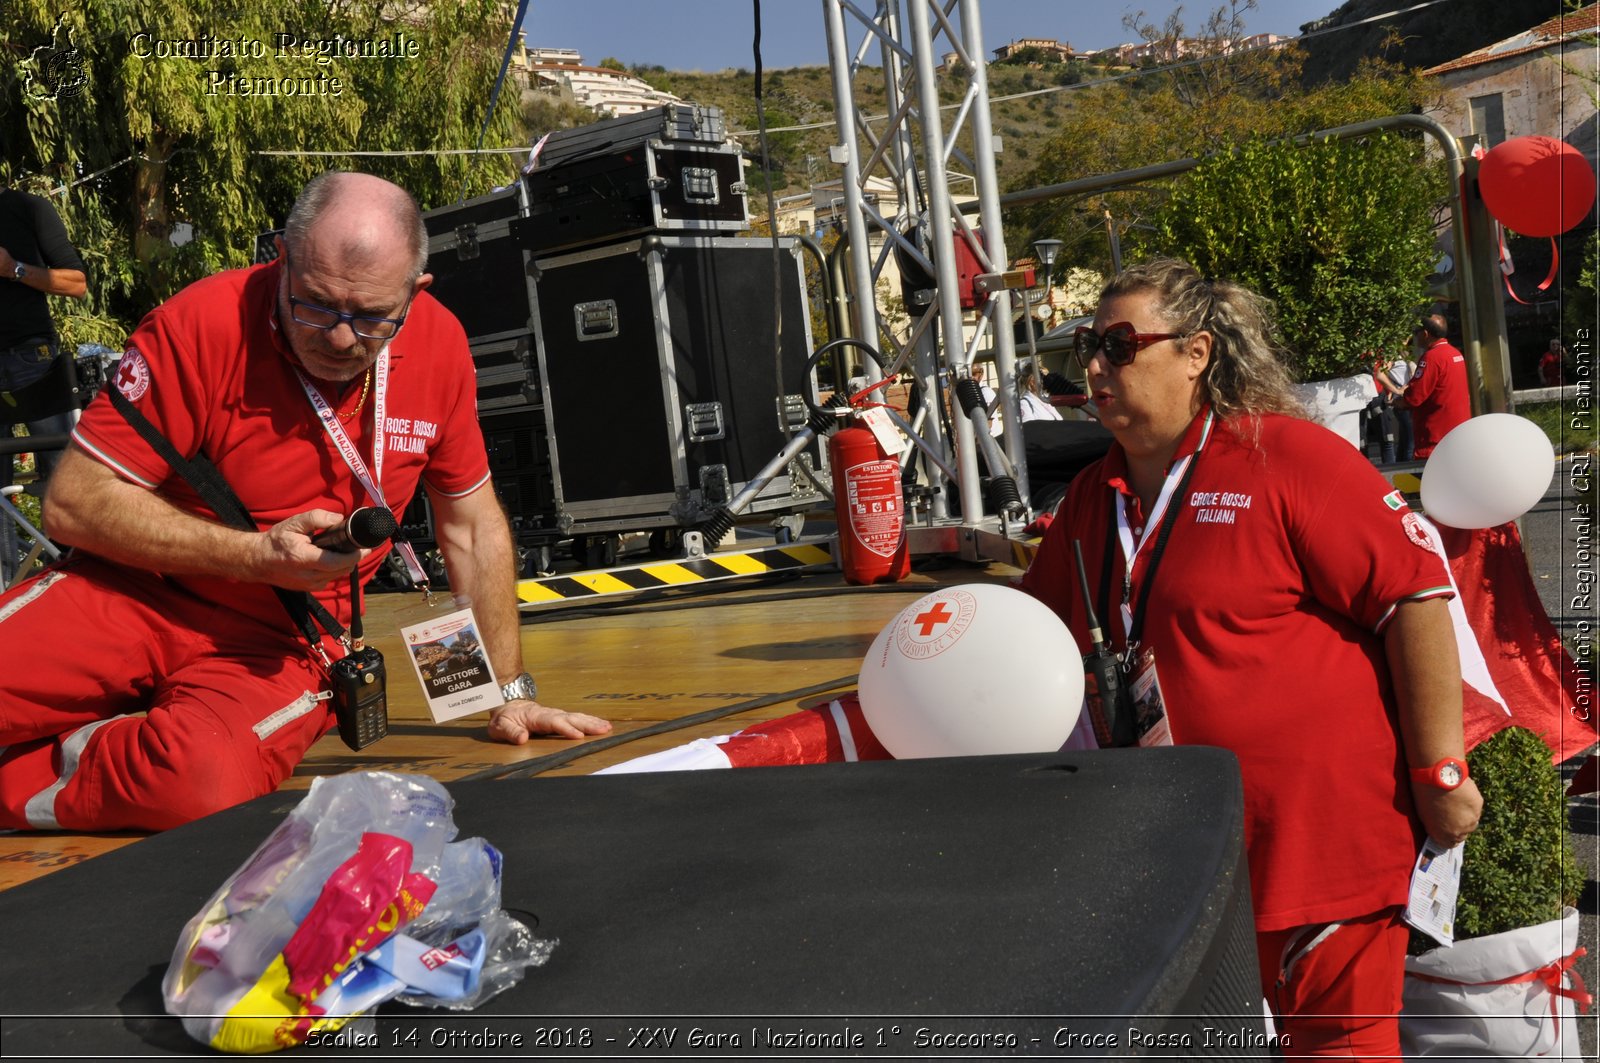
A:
[972, 669]
[1486, 471]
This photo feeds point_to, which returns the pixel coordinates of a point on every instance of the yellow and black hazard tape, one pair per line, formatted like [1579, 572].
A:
[658, 575]
[1406, 481]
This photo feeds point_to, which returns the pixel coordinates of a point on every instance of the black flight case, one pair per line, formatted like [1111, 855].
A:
[664, 396]
[666, 169]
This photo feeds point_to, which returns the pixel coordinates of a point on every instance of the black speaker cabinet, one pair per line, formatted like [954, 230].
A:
[1053, 905]
[635, 188]
[664, 393]
[519, 461]
[478, 253]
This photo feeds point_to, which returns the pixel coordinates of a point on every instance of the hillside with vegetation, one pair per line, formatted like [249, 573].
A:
[1037, 102]
[1340, 235]
[1418, 38]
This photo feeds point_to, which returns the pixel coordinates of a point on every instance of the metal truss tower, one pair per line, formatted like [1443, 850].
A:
[920, 146]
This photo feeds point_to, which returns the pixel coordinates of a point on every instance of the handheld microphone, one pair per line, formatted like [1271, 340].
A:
[366, 528]
[1101, 665]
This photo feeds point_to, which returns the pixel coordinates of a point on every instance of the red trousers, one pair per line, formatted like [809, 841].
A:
[1335, 989]
[130, 704]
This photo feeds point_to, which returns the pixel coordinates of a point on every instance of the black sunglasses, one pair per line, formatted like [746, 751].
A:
[1120, 342]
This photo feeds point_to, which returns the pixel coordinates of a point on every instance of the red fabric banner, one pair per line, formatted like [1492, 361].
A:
[1531, 668]
[821, 735]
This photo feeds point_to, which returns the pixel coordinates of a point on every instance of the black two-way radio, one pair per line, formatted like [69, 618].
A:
[1103, 670]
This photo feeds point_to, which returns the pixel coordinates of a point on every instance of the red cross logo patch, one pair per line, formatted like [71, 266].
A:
[132, 375]
[935, 623]
[1417, 531]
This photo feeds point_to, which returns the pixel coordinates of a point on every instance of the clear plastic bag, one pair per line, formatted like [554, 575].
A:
[359, 896]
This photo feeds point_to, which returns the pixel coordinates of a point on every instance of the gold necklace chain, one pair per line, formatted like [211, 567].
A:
[366, 386]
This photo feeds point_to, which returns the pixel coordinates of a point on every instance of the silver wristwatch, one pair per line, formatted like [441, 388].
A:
[522, 688]
[19, 272]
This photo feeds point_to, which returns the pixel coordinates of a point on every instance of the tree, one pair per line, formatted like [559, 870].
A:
[174, 107]
[1216, 99]
[1581, 298]
[1032, 55]
[1338, 233]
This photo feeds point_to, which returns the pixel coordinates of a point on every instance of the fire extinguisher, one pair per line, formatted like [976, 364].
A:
[869, 506]
[868, 500]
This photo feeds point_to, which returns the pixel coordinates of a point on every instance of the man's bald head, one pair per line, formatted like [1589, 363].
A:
[1434, 326]
[360, 217]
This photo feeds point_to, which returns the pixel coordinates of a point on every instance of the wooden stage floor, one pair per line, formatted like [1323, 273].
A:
[761, 647]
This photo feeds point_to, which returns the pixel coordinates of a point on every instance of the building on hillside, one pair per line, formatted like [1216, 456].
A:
[1262, 40]
[613, 93]
[827, 201]
[1170, 51]
[1164, 51]
[555, 57]
[1053, 48]
[1539, 82]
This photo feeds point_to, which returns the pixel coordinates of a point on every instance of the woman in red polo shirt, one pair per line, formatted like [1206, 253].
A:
[1287, 606]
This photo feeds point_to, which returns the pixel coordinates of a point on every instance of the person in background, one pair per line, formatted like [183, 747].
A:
[1400, 370]
[1438, 395]
[1323, 656]
[321, 382]
[991, 400]
[1396, 415]
[1553, 365]
[37, 260]
[1034, 406]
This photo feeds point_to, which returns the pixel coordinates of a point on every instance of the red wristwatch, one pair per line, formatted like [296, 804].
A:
[1447, 774]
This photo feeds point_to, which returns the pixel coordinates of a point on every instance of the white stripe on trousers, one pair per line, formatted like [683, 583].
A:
[41, 808]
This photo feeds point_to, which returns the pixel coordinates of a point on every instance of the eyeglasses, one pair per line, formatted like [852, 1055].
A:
[321, 317]
[1119, 341]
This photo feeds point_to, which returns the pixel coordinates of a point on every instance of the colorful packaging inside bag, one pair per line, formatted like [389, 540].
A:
[360, 896]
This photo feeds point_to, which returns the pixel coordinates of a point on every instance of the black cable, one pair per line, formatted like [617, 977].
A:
[816, 359]
[494, 95]
[772, 224]
[538, 765]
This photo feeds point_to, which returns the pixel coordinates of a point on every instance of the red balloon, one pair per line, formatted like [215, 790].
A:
[1536, 186]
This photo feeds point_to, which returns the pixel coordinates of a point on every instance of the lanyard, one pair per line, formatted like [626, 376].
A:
[370, 481]
[1118, 532]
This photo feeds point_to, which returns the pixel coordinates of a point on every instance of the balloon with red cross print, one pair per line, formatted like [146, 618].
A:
[972, 669]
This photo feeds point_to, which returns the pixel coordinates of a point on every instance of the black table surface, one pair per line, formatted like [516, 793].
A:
[1040, 885]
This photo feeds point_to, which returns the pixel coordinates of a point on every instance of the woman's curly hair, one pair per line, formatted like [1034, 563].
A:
[1248, 374]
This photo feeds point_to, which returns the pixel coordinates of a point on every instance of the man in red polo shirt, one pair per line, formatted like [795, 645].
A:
[1438, 392]
[158, 676]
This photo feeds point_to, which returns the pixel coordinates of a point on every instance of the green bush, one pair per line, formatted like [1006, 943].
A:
[1518, 869]
[1339, 234]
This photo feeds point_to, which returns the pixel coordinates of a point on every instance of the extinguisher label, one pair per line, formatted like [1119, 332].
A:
[874, 504]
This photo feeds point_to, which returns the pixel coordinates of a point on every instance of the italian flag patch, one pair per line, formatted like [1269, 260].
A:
[1395, 500]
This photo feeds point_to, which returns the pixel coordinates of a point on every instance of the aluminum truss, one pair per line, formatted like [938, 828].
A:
[920, 146]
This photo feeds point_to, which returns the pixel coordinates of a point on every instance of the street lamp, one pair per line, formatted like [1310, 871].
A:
[1045, 251]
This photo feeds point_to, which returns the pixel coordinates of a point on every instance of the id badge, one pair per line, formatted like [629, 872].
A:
[1149, 707]
[451, 665]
